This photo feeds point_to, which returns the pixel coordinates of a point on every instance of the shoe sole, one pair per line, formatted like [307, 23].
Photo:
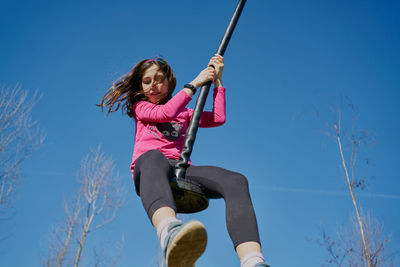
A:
[187, 246]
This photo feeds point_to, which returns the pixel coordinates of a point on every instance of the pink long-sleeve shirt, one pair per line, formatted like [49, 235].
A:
[163, 127]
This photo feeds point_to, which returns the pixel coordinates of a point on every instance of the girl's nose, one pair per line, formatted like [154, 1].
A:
[154, 84]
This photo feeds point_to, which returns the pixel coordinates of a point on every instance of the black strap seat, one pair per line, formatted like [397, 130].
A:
[189, 195]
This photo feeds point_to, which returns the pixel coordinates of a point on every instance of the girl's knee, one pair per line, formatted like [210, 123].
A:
[237, 183]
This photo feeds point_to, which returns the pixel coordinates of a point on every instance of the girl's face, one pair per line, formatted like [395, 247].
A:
[154, 84]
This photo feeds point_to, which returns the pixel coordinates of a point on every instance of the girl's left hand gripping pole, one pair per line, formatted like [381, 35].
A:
[182, 164]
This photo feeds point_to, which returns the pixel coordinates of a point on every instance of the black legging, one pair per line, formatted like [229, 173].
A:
[153, 172]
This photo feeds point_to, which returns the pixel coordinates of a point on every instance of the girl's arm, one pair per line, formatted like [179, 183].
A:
[208, 74]
[218, 115]
[218, 62]
[146, 111]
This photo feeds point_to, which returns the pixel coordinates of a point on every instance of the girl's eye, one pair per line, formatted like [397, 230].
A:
[146, 81]
[159, 78]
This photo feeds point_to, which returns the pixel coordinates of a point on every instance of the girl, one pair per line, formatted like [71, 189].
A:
[145, 94]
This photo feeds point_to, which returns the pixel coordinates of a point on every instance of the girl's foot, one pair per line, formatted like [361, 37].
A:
[184, 244]
[262, 264]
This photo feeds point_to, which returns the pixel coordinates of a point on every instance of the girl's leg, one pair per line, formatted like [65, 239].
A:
[250, 254]
[161, 214]
[182, 243]
[152, 174]
[240, 216]
[247, 247]
[233, 187]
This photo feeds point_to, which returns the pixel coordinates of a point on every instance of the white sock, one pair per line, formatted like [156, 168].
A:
[162, 229]
[251, 259]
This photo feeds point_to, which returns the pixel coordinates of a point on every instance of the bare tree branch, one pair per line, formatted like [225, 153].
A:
[20, 136]
[100, 197]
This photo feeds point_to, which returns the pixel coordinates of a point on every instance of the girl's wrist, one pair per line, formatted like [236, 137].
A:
[195, 83]
[218, 83]
[188, 91]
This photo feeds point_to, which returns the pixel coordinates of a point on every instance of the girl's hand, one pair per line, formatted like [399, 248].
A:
[208, 74]
[218, 62]
[212, 73]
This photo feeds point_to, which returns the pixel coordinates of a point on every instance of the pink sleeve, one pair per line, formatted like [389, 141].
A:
[217, 116]
[146, 111]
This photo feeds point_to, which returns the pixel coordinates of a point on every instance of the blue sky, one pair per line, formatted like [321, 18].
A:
[286, 61]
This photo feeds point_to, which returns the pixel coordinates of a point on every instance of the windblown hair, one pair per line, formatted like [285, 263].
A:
[127, 90]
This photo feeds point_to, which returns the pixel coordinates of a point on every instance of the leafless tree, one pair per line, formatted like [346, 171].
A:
[347, 249]
[363, 243]
[99, 198]
[350, 179]
[20, 136]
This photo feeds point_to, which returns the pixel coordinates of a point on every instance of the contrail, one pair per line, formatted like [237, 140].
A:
[323, 192]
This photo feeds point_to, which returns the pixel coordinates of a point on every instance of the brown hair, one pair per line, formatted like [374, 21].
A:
[127, 90]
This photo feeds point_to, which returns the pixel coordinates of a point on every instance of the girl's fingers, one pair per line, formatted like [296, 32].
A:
[215, 64]
[217, 59]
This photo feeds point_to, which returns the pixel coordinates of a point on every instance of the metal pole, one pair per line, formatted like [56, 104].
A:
[182, 164]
